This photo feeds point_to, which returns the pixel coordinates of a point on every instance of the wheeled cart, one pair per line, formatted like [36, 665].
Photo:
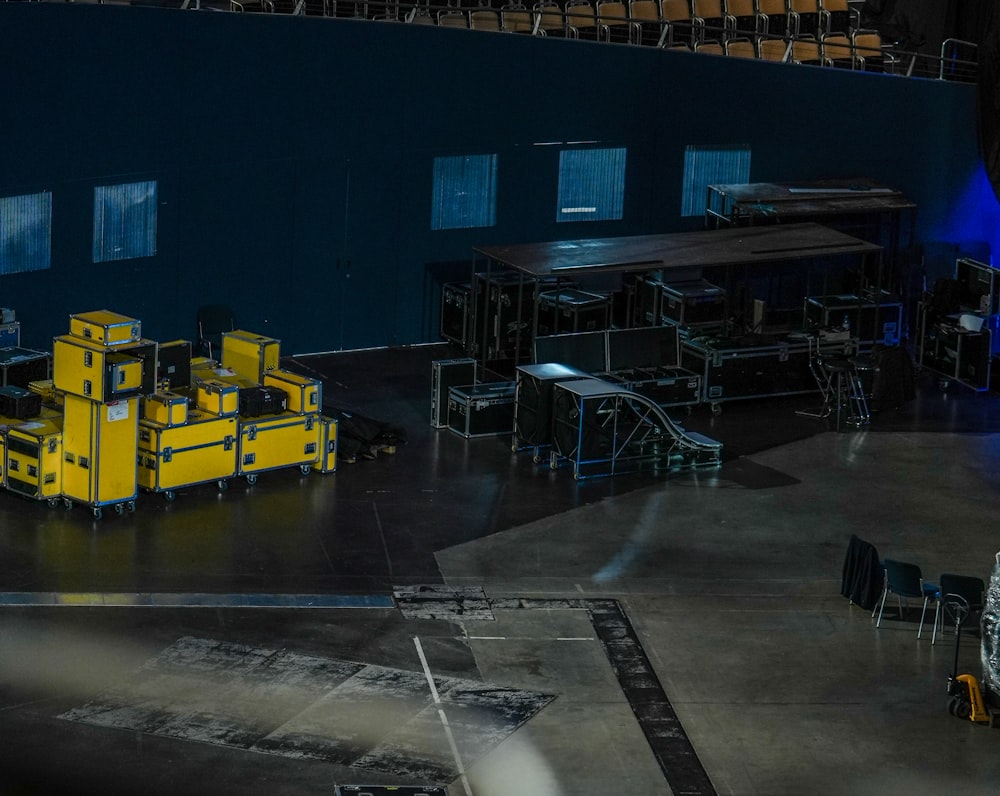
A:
[99, 445]
[276, 441]
[201, 450]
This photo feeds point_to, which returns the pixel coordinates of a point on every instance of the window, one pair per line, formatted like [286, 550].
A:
[711, 165]
[124, 221]
[465, 192]
[591, 184]
[25, 233]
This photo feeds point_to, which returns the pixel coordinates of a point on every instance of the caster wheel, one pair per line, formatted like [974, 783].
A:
[536, 459]
[252, 479]
[963, 709]
[305, 469]
[169, 496]
[53, 502]
[716, 410]
[67, 504]
[98, 513]
[119, 508]
[953, 706]
[222, 486]
[130, 506]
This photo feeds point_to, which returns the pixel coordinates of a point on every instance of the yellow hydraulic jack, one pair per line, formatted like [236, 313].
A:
[966, 700]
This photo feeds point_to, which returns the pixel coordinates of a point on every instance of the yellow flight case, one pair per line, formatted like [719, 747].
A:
[148, 351]
[94, 371]
[105, 327]
[3, 448]
[218, 397]
[201, 451]
[269, 443]
[250, 355]
[51, 397]
[99, 445]
[327, 461]
[34, 451]
[305, 395]
[166, 408]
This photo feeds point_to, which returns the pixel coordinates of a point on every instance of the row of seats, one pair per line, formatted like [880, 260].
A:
[868, 581]
[642, 22]
[662, 21]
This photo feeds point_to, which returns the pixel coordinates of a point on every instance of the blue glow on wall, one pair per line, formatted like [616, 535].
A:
[975, 215]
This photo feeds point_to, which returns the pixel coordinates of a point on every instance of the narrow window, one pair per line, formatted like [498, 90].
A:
[465, 192]
[591, 184]
[711, 165]
[124, 221]
[25, 233]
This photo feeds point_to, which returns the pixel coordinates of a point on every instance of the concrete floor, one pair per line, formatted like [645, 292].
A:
[171, 651]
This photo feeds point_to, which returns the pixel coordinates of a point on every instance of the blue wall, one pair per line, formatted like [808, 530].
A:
[294, 155]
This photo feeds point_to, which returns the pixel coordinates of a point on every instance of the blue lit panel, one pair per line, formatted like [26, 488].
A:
[25, 233]
[711, 165]
[465, 192]
[124, 221]
[591, 184]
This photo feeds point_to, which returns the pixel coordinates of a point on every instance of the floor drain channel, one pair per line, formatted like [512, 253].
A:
[442, 602]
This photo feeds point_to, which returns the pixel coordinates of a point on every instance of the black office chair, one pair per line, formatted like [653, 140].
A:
[213, 320]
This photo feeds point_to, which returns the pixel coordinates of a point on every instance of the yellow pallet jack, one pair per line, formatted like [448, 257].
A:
[965, 695]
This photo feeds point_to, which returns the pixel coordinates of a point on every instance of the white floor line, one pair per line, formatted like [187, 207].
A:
[444, 718]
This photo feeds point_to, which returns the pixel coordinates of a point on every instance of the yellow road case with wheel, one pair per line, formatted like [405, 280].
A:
[305, 395]
[105, 327]
[250, 355]
[99, 445]
[34, 458]
[200, 451]
[327, 461]
[94, 371]
[269, 443]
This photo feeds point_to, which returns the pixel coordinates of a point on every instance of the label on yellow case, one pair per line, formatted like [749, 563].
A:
[118, 411]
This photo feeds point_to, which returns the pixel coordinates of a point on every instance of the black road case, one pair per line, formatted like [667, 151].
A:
[482, 410]
[257, 401]
[868, 322]
[694, 304]
[445, 374]
[533, 401]
[456, 312]
[561, 311]
[755, 366]
[21, 366]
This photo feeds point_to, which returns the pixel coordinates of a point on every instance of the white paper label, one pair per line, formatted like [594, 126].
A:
[118, 411]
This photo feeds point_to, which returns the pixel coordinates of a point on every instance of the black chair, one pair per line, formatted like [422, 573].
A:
[969, 588]
[213, 320]
[905, 581]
